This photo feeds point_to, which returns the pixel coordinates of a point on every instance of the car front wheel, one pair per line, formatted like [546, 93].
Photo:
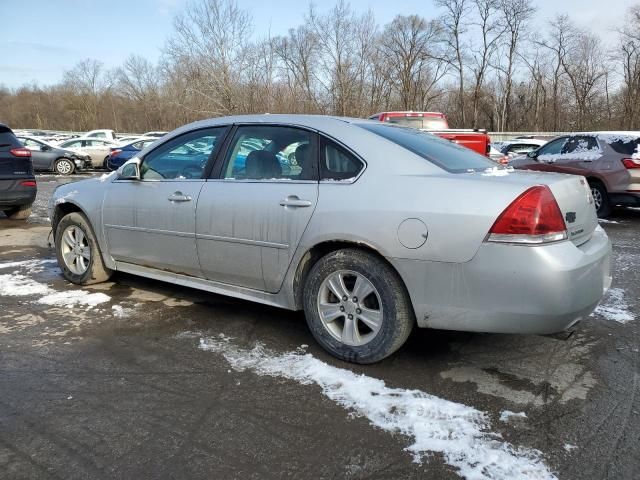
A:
[78, 252]
[357, 307]
[64, 166]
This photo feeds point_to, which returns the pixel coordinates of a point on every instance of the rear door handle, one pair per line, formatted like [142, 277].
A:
[294, 201]
[179, 197]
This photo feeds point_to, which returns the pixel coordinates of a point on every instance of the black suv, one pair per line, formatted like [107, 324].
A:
[17, 183]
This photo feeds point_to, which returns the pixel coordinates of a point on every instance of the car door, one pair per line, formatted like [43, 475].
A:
[578, 155]
[252, 214]
[151, 221]
[97, 150]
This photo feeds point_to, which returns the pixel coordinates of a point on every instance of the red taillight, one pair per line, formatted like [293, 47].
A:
[631, 163]
[534, 217]
[115, 152]
[28, 183]
[20, 152]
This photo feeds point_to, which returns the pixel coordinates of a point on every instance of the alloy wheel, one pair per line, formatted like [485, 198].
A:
[75, 250]
[350, 308]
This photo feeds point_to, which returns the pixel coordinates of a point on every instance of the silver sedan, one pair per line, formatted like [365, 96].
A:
[369, 228]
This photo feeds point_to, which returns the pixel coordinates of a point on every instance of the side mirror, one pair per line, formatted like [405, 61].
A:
[533, 154]
[129, 171]
[45, 148]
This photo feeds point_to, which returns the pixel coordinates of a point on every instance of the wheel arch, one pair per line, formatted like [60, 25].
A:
[63, 209]
[319, 250]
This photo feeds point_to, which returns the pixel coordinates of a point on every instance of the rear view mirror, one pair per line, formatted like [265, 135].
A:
[129, 171]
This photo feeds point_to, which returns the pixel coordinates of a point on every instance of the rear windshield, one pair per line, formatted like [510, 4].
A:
[8, 139]
[446, 155]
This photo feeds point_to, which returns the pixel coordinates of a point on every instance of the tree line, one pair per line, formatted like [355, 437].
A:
[481, 62]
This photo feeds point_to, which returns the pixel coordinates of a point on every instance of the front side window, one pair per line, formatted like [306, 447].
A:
[442, 153]
[553, 148]
[74, 144]
[264, 152]
[182, 158]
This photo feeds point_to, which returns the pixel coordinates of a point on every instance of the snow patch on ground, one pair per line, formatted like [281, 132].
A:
[120, 312]
[604, 220]
[75, 297]
[568, 447]
[505, 415]
[16, 285]
[614, 307]
[457, 431]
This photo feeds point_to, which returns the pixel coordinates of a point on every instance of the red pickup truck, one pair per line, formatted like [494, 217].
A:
[436, 123]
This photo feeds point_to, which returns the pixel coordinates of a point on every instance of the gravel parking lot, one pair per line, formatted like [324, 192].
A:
[137, 378]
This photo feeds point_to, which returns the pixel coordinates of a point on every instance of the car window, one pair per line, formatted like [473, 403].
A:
[27, 142]
[98, 135]
[520, 147]
[553, 148]
[446, 155]
[261, 152]
[625, 145]
[580, 144]
[182, 158]
[338, 164]
[74, 144]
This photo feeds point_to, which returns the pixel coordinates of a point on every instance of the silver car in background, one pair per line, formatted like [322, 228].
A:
[369, 228]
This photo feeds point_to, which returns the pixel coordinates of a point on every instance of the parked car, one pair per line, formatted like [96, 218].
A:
[97, 150]
[18, 186]
[609, 160]
[105, 134]
[517, 147]
[47, 157]
[154, 134]
[367, 247]
[128, 139]
[435, 122]
[120, 154]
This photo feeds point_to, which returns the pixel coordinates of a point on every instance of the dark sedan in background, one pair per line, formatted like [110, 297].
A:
[47, 157]
[17, 184]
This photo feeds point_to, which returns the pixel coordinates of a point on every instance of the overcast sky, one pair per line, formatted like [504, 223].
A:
[46, 37]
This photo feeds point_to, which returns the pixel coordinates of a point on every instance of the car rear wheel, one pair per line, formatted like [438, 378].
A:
[105, 163]
[78, 253]
[600, 199]
[357, 307]
[19, 213]
[64, 166]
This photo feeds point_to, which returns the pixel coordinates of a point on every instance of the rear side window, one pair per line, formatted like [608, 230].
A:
[337, 164]
[626, 146]
[580, 144]
[446, 155]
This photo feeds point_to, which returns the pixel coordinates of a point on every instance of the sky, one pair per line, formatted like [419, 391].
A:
[48, 37]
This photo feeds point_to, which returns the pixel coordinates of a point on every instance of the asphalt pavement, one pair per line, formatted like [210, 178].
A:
[136, 378]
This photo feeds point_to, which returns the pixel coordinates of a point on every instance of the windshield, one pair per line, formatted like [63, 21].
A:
[444, 154]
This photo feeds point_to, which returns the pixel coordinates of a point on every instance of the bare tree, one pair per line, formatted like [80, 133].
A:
[453, 22]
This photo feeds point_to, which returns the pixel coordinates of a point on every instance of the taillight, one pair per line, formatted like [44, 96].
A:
[532, 218]
[28, 183]
[631, 163]
[114, 152]
[20, 152]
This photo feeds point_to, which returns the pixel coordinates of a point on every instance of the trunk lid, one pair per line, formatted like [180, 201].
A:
[576, 204]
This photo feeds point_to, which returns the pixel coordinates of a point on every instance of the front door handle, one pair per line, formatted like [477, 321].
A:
[294, 201]
[179, 197]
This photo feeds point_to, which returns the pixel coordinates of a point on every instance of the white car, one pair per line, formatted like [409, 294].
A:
[97, 149]
[103, 134]
[154, 134]
[519, 146]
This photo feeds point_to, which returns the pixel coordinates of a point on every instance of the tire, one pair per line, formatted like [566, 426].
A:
[105, 163]
[389, 295]
[64, 166]
[19, 213]
[95, 270]
[600, 199]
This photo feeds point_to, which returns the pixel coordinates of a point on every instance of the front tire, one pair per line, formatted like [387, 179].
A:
[78, 252]
[600, 199]
[357, 307]
[64, 166]
[19, 213]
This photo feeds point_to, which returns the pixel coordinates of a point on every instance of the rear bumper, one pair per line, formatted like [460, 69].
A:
[511, 289]
[625, 199]
[14, 194]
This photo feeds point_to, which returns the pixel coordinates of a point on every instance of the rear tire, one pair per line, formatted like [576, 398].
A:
[360, 330]
[64, 166]
[74, 238]
[19, 213]
[600, 198]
